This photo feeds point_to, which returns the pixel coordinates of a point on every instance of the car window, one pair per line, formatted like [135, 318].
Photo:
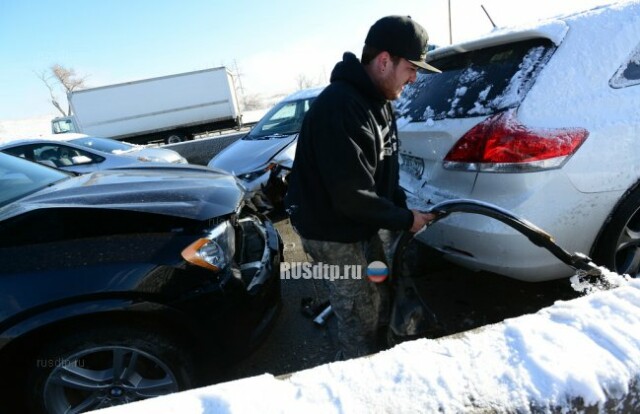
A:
[54, 155]
[19, 178]
[480, 82]
[282, 120]
[629, 72]
[61, 126]
[22, 151]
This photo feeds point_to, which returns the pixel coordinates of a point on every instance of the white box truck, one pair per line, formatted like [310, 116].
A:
[170, 108]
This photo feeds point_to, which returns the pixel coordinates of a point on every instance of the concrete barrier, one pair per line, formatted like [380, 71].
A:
[201, 150]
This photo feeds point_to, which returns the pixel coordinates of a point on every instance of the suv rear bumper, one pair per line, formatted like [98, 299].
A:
[481, 243]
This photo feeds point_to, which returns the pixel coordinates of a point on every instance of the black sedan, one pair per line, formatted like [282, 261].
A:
[115, 284]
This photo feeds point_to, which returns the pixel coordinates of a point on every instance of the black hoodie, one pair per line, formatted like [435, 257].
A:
[344, 182]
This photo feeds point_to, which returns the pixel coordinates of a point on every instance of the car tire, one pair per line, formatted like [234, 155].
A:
[618, 245]
[105, 367]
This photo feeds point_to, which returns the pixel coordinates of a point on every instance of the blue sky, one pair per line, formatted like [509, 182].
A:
[272, 43]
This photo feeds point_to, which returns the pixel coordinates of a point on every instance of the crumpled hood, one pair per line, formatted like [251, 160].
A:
[195, 193]
[244, 156]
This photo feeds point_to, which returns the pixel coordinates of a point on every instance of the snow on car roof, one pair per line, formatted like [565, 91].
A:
[597, 43]
[554, 29]
[593, 45]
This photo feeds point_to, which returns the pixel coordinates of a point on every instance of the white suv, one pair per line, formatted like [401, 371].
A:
[543, 121]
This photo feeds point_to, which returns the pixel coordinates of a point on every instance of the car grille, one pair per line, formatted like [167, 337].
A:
[252, 252]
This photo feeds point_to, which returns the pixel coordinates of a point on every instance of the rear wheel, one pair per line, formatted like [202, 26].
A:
[618, 246]
[107, 367]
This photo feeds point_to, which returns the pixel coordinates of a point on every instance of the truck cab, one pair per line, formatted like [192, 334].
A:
[63, 125]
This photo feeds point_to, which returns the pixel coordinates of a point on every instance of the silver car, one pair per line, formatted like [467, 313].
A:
[81, 153]
[542, 121]
[262, 158]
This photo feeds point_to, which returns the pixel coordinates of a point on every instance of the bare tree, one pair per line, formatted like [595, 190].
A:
[63, 77]
[239, 75]
[47, 80]
[252, 101]
[303, 82]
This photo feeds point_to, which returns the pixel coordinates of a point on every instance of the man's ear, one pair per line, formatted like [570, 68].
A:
[382, 61]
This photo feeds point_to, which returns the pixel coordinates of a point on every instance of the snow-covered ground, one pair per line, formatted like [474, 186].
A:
[25, 128]
[586, 348]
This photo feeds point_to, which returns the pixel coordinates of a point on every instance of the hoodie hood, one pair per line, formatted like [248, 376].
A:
[245, 156]
[194, 193]
[352, 71]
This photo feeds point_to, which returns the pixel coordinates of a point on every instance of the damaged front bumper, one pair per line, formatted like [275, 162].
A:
[243, 298]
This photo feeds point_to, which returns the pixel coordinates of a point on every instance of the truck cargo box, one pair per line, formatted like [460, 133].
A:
[175, 106]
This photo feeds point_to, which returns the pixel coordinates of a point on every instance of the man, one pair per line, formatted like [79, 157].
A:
[344, 184]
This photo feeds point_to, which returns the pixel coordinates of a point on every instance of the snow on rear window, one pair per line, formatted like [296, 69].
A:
[480, 82]
[519, 85]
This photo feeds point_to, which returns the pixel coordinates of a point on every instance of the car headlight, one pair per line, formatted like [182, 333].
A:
[215, 251]
[250, 176]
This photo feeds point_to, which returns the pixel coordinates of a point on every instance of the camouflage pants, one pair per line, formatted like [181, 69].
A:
[361, 307]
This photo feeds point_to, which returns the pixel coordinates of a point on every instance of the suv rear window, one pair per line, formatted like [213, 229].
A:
[480, 82]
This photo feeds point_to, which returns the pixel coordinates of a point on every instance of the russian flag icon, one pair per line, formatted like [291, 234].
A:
[377, 272]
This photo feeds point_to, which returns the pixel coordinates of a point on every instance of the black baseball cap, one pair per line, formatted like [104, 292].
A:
[401, 36]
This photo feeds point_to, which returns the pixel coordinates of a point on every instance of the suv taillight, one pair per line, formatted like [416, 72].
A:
[501, 144]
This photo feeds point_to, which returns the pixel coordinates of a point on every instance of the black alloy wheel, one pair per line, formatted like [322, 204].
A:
[99, 369]
[618, 246]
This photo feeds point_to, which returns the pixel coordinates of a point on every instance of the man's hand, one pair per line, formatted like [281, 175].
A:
[420, 220]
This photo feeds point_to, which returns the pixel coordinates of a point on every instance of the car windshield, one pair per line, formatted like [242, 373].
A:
[19, 178]
[103, 144]
[479, 82]
[282, 120]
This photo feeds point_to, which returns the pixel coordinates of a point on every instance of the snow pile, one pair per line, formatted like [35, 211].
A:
[587, 348]
[583, 283]
[25, 128]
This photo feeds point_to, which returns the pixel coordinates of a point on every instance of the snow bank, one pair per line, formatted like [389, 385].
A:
[25, 128]
[583, 352]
